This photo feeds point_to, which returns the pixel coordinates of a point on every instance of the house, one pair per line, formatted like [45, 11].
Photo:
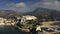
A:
[25, 18]
[2, 20]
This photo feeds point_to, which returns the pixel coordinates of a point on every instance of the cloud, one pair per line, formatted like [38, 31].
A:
[23, 7]
[51, 4]
[20, 5]
[49, 0]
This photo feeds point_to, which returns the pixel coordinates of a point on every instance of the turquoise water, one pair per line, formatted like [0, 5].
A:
[9, 30]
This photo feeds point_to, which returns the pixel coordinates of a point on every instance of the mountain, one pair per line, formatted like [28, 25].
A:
[44, 13]
[6, 13]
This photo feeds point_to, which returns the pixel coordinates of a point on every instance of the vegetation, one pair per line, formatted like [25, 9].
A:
[44, 13]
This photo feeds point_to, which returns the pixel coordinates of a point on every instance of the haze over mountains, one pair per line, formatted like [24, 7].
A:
[5, 13]
[45, 13]
[38, 12]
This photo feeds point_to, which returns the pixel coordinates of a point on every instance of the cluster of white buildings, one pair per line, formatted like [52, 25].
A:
[4, 21]
[26, 18]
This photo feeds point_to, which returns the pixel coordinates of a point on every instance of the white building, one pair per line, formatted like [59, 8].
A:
[2, 20]
[25, 18]
[29, 17]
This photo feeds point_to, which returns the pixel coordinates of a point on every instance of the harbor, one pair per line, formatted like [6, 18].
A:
[26, 24]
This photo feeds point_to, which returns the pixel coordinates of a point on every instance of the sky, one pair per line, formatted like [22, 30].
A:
[28, 5]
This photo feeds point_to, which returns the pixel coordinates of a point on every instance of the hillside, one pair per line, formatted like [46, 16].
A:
[44, 13]
[6, 13]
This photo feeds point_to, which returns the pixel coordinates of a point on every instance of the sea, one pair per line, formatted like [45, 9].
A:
[10, 30]
[13, 30]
